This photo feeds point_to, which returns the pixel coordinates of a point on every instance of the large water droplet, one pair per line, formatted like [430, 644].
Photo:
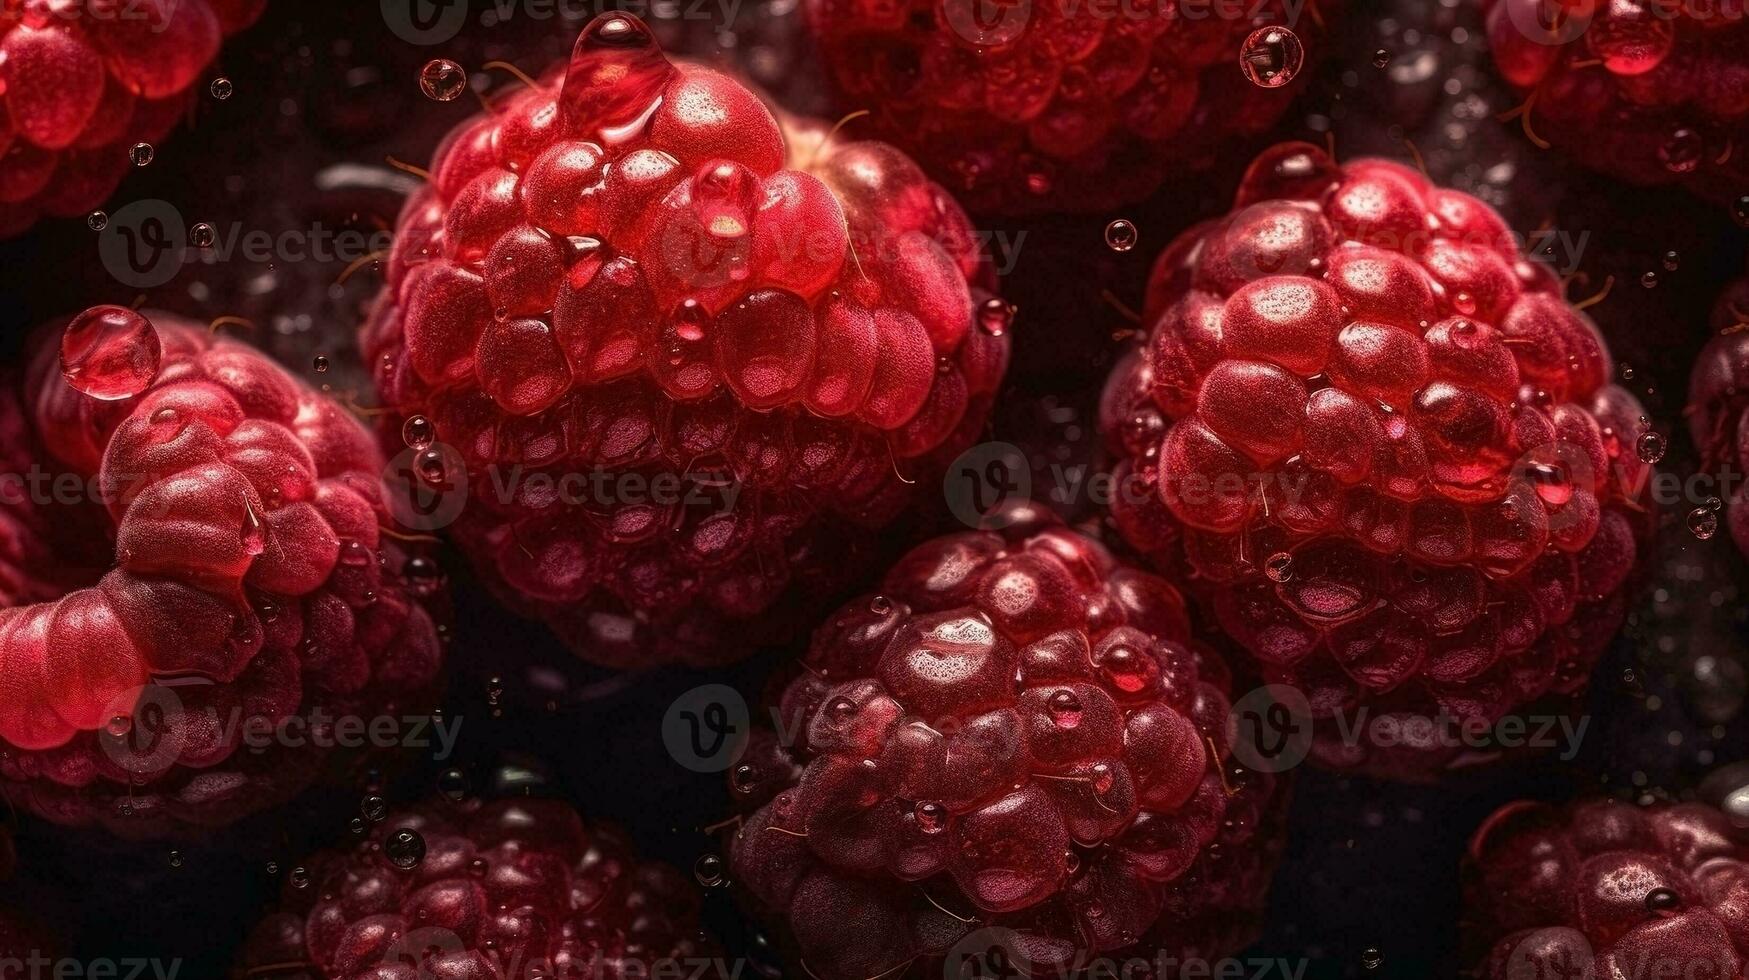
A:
[442, 80]
[1272, 56]
[97, 220]
[616, 73]
[110, 353]
[1065, 708]
[995, 316]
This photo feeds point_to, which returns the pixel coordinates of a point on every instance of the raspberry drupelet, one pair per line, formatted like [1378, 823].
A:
[1014, 741]
[190, 559]
[1603, 888]
[473, 889]
[1649, 92]
[688, 361]
[81, 83]
[1055, 106]
[1387, 449]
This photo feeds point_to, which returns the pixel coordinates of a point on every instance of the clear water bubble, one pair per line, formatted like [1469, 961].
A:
[221, 88]
[442, 80]
[97, 220]
[1120, 235]
[141, 154]
[405, 848]
[1272, 56]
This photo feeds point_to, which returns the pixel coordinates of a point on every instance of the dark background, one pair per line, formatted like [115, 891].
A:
[325, 94]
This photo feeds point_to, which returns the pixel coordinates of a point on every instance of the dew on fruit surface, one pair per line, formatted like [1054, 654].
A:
[119, 726]
[880, 605]
[1651, 446]
[442, 80]
[299, 878]
[405, 848]
[221, 88]
[995, 316]
[1552, 482]
[1663, 901]
[431, 467]
[253, 532]
[418, 432]
[320, 364]
[1703, 523]
[423, 574]
[110, 353]
[708, 869]
[1279, 567]
[374, 808]
[141, 154]
[931, 817]
[1065, 708]
[1120, 235]
[97, 220]
[202, 235]
[1272, 56]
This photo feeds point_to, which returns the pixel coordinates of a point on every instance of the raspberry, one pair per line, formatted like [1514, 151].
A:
[1718, 397]
[80, 83]
[612, 286]
[1052, 106]
[201, 563]
[517, 888]
[1651, 93]
[1603, 888]
[1014, 736]
[1386, 447]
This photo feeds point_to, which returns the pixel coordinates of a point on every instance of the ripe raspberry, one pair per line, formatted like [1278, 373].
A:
[1607, 889]
[517, 888]
[199, 562]
[1054, 106]
[1651, 93]
[1718, 398]
[1013, 736]
[613, 285]
[1386, 447]
[81, 83]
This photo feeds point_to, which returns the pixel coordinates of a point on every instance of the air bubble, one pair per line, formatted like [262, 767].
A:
[1120, 235]
[442, 80]
[1650, 446]
[141, 154]
[97, 220]
[1272, 56]
[418, 432]
[202, 235]
[221, 88]
[405, 849]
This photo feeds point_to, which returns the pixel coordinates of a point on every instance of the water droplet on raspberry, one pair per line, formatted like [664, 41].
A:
[431, 467]
[141, 154]
[253, 532]
[1552, 483]
[418, 432]
[1279, 567]
[708, 869]
[442, 80]
[1120, 235]
[1703, 523]
[617, 71]
[110, 353]
[690, 318]
[1065, 708]
[1464, 303]
[202, 235]
[1650, 447]
[97, 220]
[880, 605]
[995, 316]
[374, 808]
[221, 88]
[405, 849]
[1272, 56]
[119, 726]
[1381, 58]
[931, 817]
[1663, 901]
[1681, 150]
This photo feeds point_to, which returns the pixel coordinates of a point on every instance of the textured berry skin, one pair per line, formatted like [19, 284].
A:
[1607, 889]
[82, 82]
[1386, 447]
[1653, 93]
[1049, 106]
[516, 888]
[1013, 735]
[1718, 403]
[614, 275]
[225, 573]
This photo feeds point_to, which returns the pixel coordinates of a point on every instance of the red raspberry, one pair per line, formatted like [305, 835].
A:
[1606, 889]
[1386, 446]
[1013, 736]
[518, 888]
[81, 82]
[199, 562]
[1718, 398]
[1054, 105]
[1654, 93]
[612, 277]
